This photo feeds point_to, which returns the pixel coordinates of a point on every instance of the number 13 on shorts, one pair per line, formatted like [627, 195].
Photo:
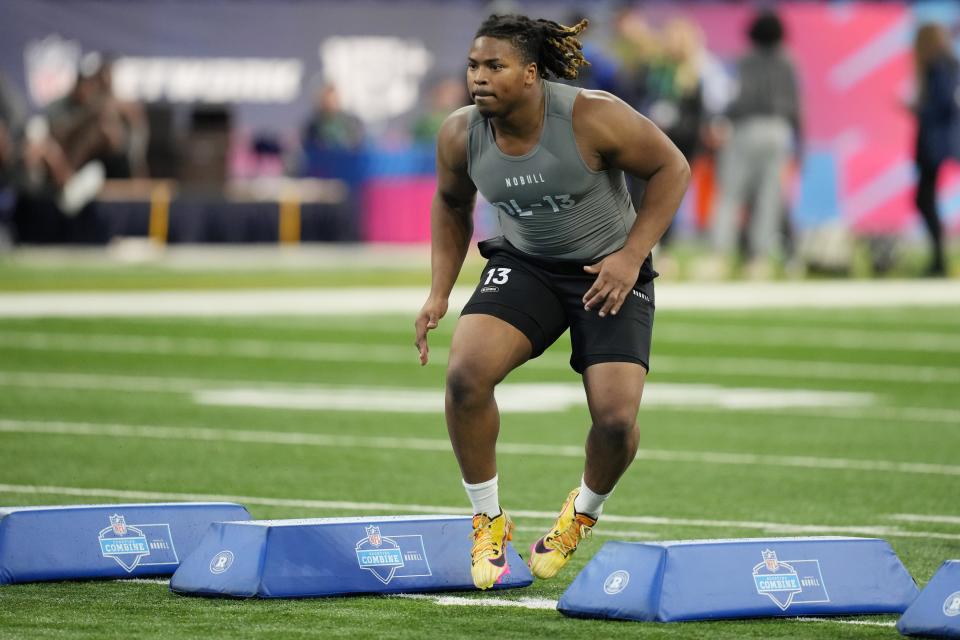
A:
[497, 275]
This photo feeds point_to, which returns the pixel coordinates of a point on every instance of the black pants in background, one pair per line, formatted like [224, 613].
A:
[927, 205]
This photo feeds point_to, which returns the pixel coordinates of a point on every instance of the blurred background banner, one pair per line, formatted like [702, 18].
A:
[252, 80]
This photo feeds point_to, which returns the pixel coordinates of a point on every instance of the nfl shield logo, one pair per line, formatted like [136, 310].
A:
[770, 559]
[119, 524]
[373, 535]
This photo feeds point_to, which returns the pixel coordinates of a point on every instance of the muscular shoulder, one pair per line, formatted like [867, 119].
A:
[603, 122]
[452, 138]
[611, 133]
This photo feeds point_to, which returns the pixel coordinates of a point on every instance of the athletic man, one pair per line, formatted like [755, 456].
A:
[573, 254]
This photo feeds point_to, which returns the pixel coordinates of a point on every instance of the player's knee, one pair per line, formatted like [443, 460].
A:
[616, 428]
[466, 386]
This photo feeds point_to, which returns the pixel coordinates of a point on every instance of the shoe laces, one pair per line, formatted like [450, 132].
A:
[566, 540]
[484, 543]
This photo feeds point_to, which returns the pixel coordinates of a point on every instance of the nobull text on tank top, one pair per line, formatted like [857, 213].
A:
[549, 202]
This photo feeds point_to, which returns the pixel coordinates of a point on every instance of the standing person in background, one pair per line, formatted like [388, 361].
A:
[937, 114]
[675, 103]
[330, 126]
[574, 253]
[765, 120]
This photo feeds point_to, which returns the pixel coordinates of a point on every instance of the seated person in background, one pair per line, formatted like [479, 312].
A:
[445, 96]
[90, 123]
[330, 126]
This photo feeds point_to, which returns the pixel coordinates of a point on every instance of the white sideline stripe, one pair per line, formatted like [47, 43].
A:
[864, 623]
[394, 354]
[895, 324]
[461, 601]
[687, 333]
[525, 397]
[310, 351]
[769, 527]
[619, 533]
[917, 517]
[873, 414]
[523, 603]
[352, 301]
[543, 603]
[155, 384]
[144, 580]
[438, 444]
[822, 369]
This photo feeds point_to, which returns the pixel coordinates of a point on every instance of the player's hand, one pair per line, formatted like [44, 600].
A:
[616, 275]
[429, 317]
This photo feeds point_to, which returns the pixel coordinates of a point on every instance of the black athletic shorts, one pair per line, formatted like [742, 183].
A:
[542, 298]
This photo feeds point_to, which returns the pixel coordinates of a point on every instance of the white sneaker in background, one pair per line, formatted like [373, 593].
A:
[711, 268]
[758, 270]
[82, 188]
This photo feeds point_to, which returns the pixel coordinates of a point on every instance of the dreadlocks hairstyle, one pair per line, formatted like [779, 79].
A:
[554, 47]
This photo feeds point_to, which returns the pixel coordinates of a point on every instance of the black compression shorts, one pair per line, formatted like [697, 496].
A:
[542, 298]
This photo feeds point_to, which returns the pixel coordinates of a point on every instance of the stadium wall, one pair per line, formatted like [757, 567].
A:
[853, 58]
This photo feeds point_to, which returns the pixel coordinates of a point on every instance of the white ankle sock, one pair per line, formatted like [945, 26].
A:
[485, 496]
[588, 502]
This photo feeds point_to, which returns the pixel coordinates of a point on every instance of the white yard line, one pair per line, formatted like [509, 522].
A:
[880, 413]
[543, 603]
[490, 601]
[163, 581]
[525, 398]
[178, 385]
[863, 623]
[534, 604]
[929, 518]
[343, 301]
[443, 445]
[339, 505]
[317, 351]
[599, 531]
[798, 369]
[822, 337]
[657, 396]
[169, 345]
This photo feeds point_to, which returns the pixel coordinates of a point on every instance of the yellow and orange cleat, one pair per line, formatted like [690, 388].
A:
[551, 552]
[489, 554]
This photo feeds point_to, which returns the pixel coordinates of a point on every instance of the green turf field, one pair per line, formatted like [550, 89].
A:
[82, 402]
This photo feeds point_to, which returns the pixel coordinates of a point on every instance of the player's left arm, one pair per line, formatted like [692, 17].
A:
[619, 137]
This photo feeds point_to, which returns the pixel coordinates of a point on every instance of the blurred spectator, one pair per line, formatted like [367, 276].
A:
[765, 120]
[601, 72]
[675, 86]
[329, 127]
[12, 122]
[937, 118]
[636, 46]
[674, 90]
[445, 96]
[37, 183]
[91, 124]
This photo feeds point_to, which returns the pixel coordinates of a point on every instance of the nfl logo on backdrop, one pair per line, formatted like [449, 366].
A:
[125, 544]
[788, 582]
[118, 524]
[129, 544]
[381, 556]
[392, 557]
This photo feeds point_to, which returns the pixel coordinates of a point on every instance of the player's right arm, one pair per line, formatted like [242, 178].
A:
[451, 223]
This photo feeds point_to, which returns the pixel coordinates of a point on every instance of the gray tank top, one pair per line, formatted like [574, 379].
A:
[549, 202]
